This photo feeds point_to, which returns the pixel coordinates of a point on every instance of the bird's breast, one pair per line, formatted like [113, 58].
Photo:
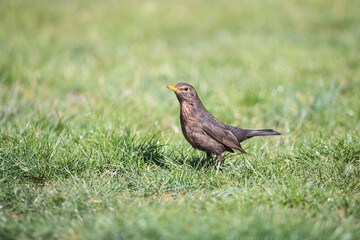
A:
[187, 109]
[188, 124]
[188, 120]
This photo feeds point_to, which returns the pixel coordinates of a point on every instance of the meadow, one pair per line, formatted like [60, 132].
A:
[90, 139]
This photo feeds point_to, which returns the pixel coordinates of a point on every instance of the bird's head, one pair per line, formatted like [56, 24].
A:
[184, 92]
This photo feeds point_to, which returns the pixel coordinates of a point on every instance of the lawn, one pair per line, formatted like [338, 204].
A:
[90, 140]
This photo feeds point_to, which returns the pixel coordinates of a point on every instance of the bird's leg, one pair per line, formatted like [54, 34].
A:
[219, 157]
[208, 156]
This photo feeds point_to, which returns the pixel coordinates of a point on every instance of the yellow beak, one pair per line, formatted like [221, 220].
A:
[171, 87]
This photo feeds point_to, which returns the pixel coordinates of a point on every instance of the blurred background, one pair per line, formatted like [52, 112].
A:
[290, 65]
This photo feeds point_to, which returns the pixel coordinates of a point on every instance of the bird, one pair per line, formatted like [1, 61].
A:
[206, 133]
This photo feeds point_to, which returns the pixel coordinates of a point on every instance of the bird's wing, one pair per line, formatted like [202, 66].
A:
[223, 136]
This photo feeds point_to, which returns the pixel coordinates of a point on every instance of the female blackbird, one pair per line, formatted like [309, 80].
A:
[204, 132]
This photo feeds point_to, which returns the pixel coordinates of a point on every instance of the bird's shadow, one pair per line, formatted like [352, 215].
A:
[153, 151]
[198, 162]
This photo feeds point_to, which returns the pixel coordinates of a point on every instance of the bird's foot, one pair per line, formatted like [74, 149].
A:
[218, 169]
[219, 164]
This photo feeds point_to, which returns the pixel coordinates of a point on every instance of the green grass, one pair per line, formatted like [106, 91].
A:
[90, 140]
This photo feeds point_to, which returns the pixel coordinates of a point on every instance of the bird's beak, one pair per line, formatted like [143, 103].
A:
[171, 87]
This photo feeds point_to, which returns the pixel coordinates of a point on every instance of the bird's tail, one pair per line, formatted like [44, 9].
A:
[261, 132]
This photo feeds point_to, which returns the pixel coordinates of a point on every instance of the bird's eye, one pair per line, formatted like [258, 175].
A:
[186, 89]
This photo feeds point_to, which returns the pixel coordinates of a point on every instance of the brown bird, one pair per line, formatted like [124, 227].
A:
[204, 132]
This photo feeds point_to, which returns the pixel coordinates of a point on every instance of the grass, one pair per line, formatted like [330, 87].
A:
[90, 140]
